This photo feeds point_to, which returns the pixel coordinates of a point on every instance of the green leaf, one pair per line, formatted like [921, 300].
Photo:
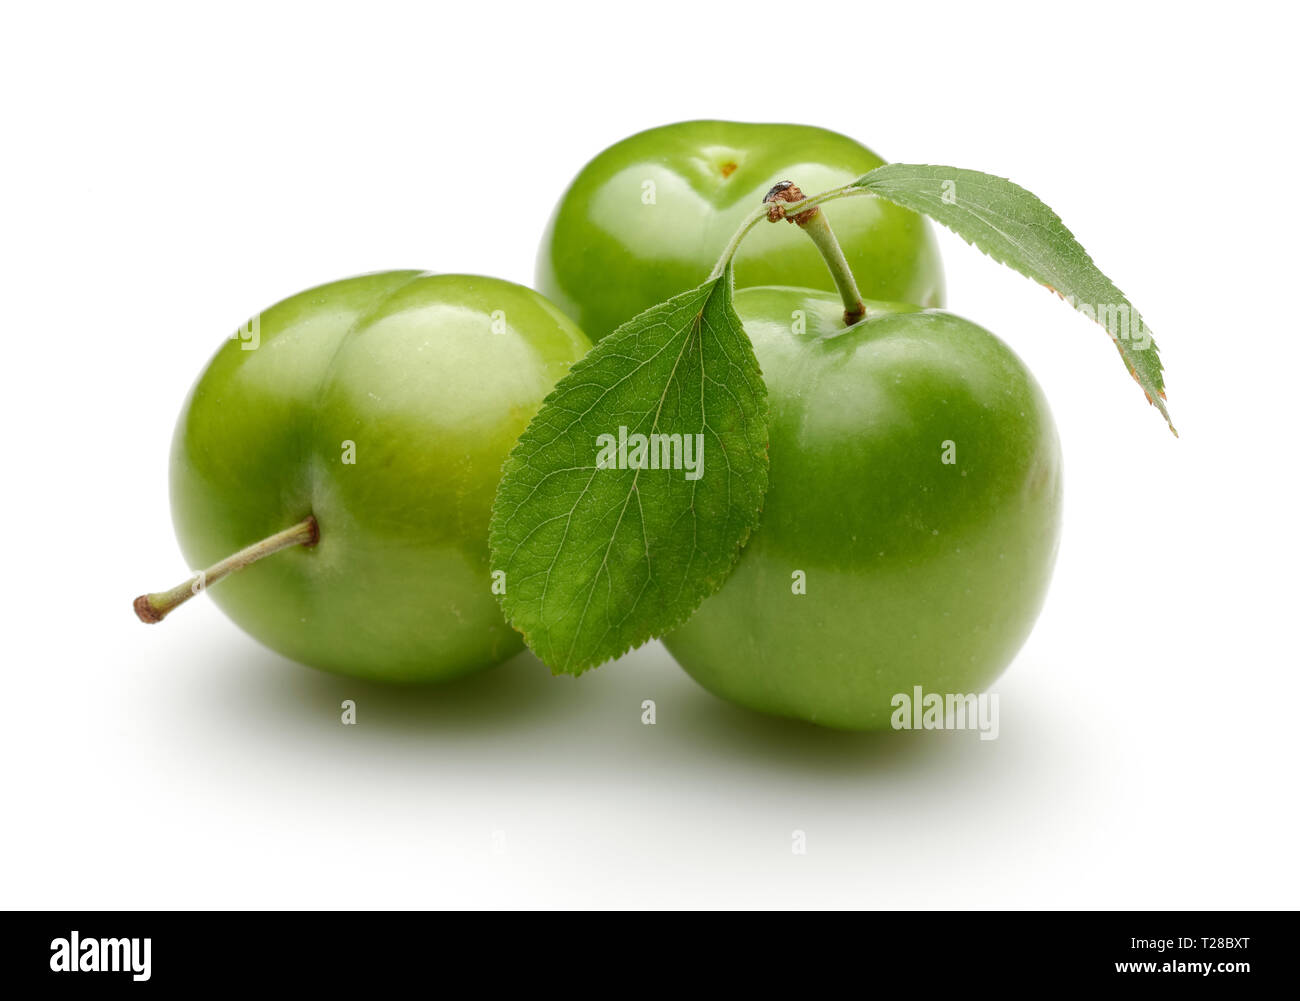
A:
[599, 559]
[1014, 227]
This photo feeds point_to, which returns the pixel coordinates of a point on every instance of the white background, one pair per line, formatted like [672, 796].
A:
[167, 172]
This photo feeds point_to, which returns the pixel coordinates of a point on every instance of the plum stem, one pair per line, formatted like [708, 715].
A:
[154, 607]
[824, 239]
[813, 221]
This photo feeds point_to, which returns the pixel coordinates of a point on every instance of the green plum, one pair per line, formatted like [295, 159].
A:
[647, 218]
[911, 524]
[373, 416]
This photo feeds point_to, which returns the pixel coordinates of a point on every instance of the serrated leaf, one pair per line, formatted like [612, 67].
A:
[1014, 227]
[597, 558]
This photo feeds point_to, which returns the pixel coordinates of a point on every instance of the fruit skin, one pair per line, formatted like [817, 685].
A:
[607, 255]
[406, 365]
[917, 572]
